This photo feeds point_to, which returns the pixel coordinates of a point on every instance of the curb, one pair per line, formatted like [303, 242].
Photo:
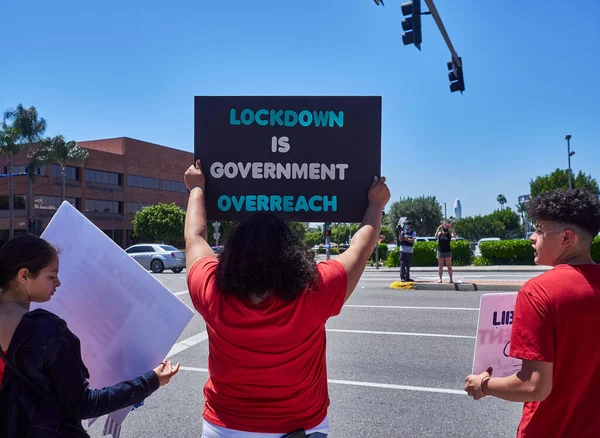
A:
[469, 287]
[457, 287]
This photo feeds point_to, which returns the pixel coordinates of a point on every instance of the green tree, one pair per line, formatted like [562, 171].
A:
[57, 150]
[340, 233]
[505, 224]
[559, 179]
[390, 236]
[425, 213]
[9, 148]
[298, 228]
[312, 238]
[29, 127]
[161, 223]
[501, 200]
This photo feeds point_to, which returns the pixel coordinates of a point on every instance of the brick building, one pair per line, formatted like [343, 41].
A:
[121, 176]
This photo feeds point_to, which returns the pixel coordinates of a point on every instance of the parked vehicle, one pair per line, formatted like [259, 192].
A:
[477, 252]
[218, 250]
[157, 257]
[425, 239]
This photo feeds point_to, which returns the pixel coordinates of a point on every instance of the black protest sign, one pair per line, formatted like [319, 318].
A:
[305, 159]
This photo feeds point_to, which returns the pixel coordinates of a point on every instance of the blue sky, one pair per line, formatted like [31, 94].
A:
[131, 68]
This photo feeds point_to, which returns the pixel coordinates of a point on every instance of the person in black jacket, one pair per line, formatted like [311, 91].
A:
[44, 390]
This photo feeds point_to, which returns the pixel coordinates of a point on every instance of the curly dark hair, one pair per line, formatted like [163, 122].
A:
[577, 207]
[262, 255]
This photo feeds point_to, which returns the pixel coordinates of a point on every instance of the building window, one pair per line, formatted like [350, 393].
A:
[43, 202]
[144, 182]
[71, 174]
[101, 206]
[16, 169]
[21, 169]
[115, 235]
[19, 202]
[101, 177]
[173, 186]
[134, 207]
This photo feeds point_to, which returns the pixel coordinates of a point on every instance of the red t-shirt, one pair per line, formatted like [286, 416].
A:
[266, 362]
[557, 319]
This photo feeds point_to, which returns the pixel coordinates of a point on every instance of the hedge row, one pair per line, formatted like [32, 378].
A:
[507, 252]
[516, 252]
[383, 253]
[503, 252]
[425, 254]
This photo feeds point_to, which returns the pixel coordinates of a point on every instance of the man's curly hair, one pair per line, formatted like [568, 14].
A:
[263, 255]
[577, 207]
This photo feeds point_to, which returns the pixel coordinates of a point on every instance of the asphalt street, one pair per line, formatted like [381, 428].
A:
[397, 360]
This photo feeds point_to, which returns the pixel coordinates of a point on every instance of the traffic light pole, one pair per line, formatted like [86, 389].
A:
[440, 24]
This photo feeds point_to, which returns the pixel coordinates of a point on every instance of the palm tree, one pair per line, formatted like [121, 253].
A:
[9, 148]
[522, 210]
[501, 200]
[29, 127]
[57, 150]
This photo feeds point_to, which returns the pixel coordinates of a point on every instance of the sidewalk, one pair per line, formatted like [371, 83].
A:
[459, 269]
[465, 283]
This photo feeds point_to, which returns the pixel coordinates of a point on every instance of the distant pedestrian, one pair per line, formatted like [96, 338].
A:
[407, 242]
[556, 325]
[444, 235]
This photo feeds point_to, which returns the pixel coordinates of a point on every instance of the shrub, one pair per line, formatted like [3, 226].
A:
[461, 252]
[481, 261]
[596, 249]
[508, 252]
[393, 258]
[425, 254]
[383, 253]
[332, 251]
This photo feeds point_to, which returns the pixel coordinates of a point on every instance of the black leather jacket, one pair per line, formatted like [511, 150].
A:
[49, 354]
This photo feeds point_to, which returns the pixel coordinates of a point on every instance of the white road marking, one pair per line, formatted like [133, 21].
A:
[183, 292]
[401, 387]
[410, 307]
[203, 336]
[199, 370]
[188, 343]
[369, 332]
[369, 384]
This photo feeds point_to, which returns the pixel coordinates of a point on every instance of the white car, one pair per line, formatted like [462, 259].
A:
[158, 257]
[477, 252]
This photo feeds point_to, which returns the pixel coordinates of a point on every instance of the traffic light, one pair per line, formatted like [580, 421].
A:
[327, 232]
[457, 81]
[411, 23]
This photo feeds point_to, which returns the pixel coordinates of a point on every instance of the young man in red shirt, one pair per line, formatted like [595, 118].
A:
[556, 329]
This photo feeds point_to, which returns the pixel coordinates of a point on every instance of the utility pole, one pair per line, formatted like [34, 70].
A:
[570, 154]
[327, 232]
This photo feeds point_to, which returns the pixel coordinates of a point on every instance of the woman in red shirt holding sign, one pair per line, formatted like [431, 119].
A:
[265, 304]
